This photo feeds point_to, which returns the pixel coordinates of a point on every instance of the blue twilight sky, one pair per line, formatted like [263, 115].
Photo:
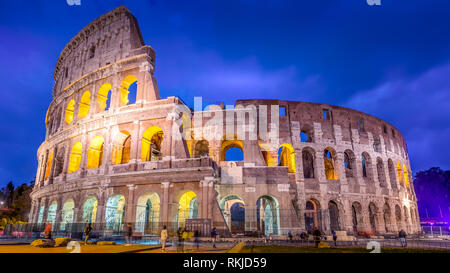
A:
[392, 61]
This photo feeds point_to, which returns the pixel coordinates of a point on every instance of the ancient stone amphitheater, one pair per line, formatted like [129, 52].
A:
[115, 152]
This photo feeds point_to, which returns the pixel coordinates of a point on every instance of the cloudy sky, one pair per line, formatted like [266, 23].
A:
[391, 61]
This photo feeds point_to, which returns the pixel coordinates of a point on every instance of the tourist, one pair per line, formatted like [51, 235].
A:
[317, 234]
[164, 237]
[87, 232]
[129, 233]
[196, 235]
[48, 230]
[334, 236]
[290, 235]
[402, 236]
[214, 236]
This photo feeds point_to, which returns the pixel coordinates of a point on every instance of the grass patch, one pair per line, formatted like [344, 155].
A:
[293, 249]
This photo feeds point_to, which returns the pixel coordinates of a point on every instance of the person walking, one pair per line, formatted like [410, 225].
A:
[129, 234]
[48, 230]
[317, 234]
[334, 237]
[164, 237]
[290, 235]
[87, 233]
[196, 235]
[402, 237]
[214, 236]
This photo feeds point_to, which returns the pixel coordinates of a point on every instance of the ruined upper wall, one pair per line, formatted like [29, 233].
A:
[109, 38]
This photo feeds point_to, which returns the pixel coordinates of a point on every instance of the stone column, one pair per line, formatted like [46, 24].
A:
[165, 203]
[211, 201]
[204, 199]
[130, 203]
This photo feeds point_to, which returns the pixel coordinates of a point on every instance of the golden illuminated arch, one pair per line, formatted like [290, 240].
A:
[85, 103]
[70, 109]
[187, 207]
[95, 153]
[406, 175]
[230, 141]
[102, 96]
[127, 81]
[329, 160]
[48, 166]
[399, 173]
[151, 144]
[287, 157]
[121, 148]
[75, 157]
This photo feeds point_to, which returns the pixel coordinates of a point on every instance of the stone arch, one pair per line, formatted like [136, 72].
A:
[330, 163]
[48, 166]
[234, 216]
[387, 217]
[400, 174]
[151, 144]
[312, 215]
[147, 213]
[268, 215]
[229, 142]
[406, 176]
[125, 92]
[75, 157]
[357, 217]
[349, 163]
[90, 209]
[84, 105]
[333, 212]
[373, 217]
[201, 148]
[114, 212]
[67, 214]
[59, 161]
[95, 153]
[308, 162]
[286, 157]
[307, 133]
[104, 97]
[51, 212]
[381, 173]
[406, 218]
[121, 148]
[70, 109]
[187, 201]
[398, 217]
[366, 165]
[392, 177]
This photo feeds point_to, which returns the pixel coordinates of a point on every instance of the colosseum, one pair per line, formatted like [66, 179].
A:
[115, 152]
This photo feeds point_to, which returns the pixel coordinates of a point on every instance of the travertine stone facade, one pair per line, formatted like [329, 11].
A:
[344, 170]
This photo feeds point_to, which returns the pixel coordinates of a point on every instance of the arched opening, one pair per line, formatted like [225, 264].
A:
[406, 218]
[232, 150]
[121, 148]
[51, 213]
[329, 157]
[357, 217]
[398, 217]
[306, 134]
[114, 212]
[363, 165]
[387, 217]
[312, 216]
[90, 210]
[406, 175]
[380, 172]
[70, 109]
[75, 157]
[334, 215]
[400, 174]
[308, 163]
[392, 177]
[151, 144]
[85, 103]
[187, 208]
[201, 148]
[233, 210]
[67, 215]
[48, 167]
[128, 90]
[373, 216]
[147, 213]
[349, 163]
[286, 157]
[95, 153]
[104, 97]
[59, 161]
[267, 215]
[41, 215]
